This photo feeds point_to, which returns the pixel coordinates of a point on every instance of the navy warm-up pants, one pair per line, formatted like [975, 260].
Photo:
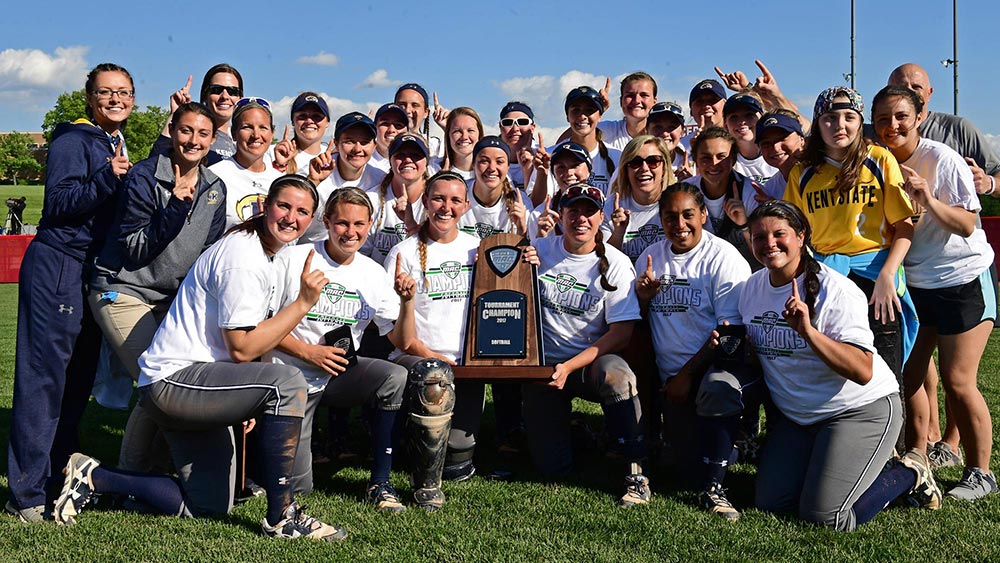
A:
[58, 344]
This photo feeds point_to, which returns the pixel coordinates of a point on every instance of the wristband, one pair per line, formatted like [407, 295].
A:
[993, 186]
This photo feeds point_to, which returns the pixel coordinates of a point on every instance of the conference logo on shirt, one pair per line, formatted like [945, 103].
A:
[333, 292]
[481, 230]
[676, 295]
[341, 307]
[564, 282]
[772, 337]
[451, 269]
[449, 281]
[568, 296]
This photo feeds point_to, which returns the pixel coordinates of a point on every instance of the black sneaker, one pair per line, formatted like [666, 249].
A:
[78, 488]
[297, 524]
[384, 497]
[713, 499]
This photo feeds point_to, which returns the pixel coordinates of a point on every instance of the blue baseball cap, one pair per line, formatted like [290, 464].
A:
[387, 108]
[587, 93]
[491, 141]
[709, 85]
[416, 88]
[401, 140]
[575, 150]
[737, 100]
[307, 98]
[352, 119]
[516, 106]
[777, 121]
[667, 108]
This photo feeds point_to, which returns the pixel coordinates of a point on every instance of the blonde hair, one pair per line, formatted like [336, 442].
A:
[621, 185]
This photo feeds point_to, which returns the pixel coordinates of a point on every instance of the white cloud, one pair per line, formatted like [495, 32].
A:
[322, 58]
[26, 71]
[378, 79]
[546, 95]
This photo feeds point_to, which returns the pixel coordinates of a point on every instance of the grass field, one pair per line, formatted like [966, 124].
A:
[526, 519]
[33, 211]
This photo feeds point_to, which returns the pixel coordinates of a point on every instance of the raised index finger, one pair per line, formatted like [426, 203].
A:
[187, 87]
[907, 171]
[795, 289]
[541, 144]
[119, 148]
[649, 265]
[177, 173]
[616, 201]
[763, 68]
[399, 264]
[436, 104]
[287, 131]
[721, 74]
[307, 267]
[971, 161]
[736, 191]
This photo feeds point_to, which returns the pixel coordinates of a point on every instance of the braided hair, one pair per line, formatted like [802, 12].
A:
[602, 262]
[796, 219]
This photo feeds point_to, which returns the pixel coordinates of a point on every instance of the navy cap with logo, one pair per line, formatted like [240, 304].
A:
[777, 121]
[516, 106]
[491, 141]
[737, 100]
[575, 150]
[584, 93]
[307, 98]
[581, 192]
[667, 108]
[401, 140]
[392, 108]
[708, 85]
[416, 88]
[352, 119]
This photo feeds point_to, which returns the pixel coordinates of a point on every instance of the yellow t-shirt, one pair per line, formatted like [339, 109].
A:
[859, 221]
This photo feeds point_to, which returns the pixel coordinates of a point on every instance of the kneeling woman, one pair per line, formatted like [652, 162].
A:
[838, 407]
[360, 291]
[198, 378]
[589, 307]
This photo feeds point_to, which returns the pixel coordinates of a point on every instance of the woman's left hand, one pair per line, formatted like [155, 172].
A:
[284, 151]
[440, 114]
[530, 255]
[541, 159]
[885, 299]
[518, 213]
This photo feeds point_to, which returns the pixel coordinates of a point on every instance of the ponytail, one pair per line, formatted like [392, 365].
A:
[602, 149]
[602, 262]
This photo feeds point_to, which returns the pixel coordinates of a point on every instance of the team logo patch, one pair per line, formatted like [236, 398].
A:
[400, 230]
[666, 280]
[729, 344]
[343, 343]
[502, 259]
[483, 230]
[770, 121]
[648, 233]
[451, 269]
[768, 320]
[564, 282]
[333, 292]
[213, 197]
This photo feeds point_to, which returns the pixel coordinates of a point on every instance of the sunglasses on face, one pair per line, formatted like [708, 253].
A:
[512, 121]
[653, 161]
[259, 101]
[216, 89]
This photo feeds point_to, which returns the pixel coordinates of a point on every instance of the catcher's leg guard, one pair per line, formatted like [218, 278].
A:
[431, 393]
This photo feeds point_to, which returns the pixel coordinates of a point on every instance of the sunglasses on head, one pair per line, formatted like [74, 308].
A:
[583, 190]
[512, 121]
[653, 161]
[217, 89]
[259, 101]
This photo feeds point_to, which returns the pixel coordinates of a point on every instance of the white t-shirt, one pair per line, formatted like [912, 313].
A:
[576, 310]
[230, 286]
[358, 293]
[715, 207]
[369, 180]
[775, 187]
[301, 158]
[245, 189]
[699, 289]
[438, 164]
[388, 229]
[441, 305]
[379, 161]
[801, 384]
[644, 227]
[481, 221]
[938, 258]
[615, 134]
[755, 168]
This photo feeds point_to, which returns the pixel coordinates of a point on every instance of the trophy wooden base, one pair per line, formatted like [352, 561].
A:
[504, 374]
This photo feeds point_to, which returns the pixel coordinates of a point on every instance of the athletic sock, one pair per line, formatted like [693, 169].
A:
[716, 446]
[890, 485]
[382, 428]
[623, 427]
[279, 439]
[161, 492]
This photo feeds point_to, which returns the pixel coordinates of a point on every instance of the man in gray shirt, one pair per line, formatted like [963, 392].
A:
[956, 132]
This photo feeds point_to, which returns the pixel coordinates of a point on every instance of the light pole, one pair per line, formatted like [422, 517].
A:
[953, 61]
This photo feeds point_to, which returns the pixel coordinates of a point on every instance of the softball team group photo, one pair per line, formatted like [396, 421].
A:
[769, 285]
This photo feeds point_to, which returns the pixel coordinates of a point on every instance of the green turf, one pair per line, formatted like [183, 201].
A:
[576, 520]
[34, 209]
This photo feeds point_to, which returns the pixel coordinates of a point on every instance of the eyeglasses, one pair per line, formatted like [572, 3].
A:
[106, 93]
[216, 89]
[653, 161]
[512, 121]
[259, 101]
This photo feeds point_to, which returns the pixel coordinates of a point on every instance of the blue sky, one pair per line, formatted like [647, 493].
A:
[482, 55]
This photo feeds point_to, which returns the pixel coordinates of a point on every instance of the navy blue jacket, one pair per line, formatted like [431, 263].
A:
[81, 191]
